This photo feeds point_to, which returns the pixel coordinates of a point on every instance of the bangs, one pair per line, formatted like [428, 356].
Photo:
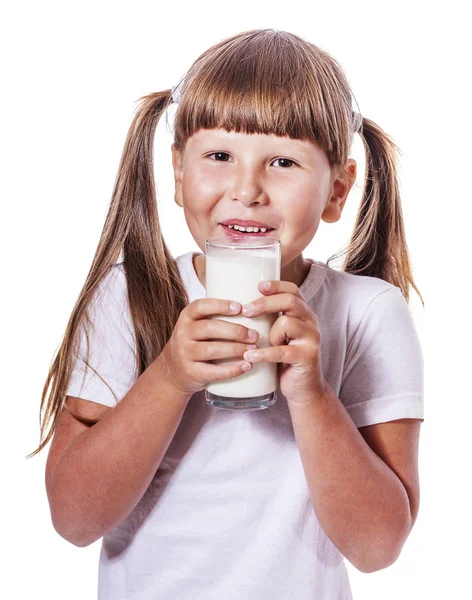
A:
[270, 88]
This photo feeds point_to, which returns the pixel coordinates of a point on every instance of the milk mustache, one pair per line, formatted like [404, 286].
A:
[234, 276]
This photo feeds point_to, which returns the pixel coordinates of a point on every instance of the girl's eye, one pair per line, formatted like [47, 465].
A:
[286, 160]
[219, 154]
[221, 158]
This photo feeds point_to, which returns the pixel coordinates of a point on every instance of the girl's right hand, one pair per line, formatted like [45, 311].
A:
[188, 349]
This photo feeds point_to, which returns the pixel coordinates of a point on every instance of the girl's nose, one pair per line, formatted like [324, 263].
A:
[247, 188]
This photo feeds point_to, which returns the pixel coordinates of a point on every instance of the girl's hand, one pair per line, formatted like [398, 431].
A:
[186, 353]
[295, 339]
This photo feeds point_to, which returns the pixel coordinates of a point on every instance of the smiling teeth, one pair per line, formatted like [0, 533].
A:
[248, 229]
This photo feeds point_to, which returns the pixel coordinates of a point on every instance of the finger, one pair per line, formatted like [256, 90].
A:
[206, 351]
[204, 307]
[306, 342]
[288, 328]
[220, 329]
[290, 354]
[287, 303]
[274, 286]
[218, 372]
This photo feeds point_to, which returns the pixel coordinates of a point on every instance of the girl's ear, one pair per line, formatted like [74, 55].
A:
[177, 165]
[340, 188]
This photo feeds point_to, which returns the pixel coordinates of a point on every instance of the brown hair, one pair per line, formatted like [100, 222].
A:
[259, 81]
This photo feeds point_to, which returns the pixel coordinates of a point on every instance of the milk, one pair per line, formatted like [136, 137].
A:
[234, 276]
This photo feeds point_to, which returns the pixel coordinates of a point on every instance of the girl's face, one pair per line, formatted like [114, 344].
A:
[286, 185]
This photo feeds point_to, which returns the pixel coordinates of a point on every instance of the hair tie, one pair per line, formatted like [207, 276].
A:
[356, 121]
[176, 93]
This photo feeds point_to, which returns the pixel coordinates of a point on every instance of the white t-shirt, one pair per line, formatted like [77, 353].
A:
[228, 514]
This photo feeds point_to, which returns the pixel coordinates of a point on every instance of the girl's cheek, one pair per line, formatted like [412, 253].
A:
[208, 185]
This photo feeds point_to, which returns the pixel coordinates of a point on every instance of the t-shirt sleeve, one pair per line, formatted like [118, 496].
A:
[383, 374]
[112, 353]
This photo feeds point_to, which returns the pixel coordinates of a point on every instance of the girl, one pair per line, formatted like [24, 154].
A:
[196, 502]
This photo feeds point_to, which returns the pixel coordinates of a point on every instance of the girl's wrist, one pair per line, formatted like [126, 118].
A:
[165, 380]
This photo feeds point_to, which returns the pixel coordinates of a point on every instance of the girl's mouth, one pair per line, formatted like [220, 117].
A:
[235, 233]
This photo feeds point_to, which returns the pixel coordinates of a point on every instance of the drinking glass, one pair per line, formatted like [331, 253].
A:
[233, 270]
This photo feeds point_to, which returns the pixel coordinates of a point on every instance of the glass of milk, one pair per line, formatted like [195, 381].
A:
[234, 267]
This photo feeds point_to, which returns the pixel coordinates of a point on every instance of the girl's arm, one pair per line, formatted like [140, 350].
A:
[95, 476]
[363, 483]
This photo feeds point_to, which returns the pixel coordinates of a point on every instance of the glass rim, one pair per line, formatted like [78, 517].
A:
[237, 243]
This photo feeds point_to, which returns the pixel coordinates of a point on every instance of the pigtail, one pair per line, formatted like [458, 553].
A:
[156, 293]
[155, 290]
[378, 245]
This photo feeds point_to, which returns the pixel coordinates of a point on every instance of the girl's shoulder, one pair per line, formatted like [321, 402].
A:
[112, 290]
[340, 285]
[338, 295]
[359, 284]
[114, 279]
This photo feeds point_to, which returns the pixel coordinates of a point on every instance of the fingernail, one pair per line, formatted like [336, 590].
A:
[264, 286]
[251, 355]
[234, 307]
[252, 335]
[248, 309]
[251, 346]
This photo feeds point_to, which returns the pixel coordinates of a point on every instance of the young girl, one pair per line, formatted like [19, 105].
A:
[197, 502]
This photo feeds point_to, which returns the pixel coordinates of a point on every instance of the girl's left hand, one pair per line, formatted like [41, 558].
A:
[295, 339]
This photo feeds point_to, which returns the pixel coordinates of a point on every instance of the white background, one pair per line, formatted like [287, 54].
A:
[71, 74]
